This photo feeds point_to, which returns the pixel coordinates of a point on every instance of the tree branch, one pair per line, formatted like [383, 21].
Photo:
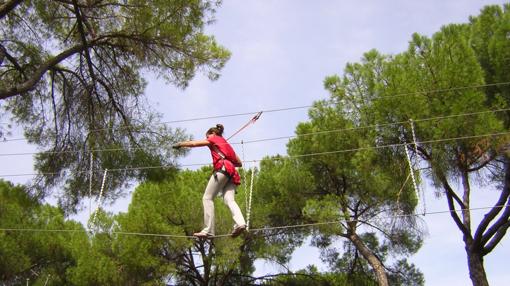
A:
[192, 266]
[423, 153]
[376, 227]
[8, 6]
[480, 238]
[103, 40]
[497, 238]
[498, 225]
[81, 30]
[454, 215]
[36, 77]
[54, 105]
[482, 164]
[16, 65]
[3, 53]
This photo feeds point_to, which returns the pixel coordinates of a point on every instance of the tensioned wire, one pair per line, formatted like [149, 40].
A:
[290, 156]
[254, 230]
[416, 93]
[275, 138]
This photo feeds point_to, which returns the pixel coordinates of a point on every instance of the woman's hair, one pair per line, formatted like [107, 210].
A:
[218, 130]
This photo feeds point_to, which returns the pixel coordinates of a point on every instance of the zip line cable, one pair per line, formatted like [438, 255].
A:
[376, 126]
[288, 156]
[416, 93]
[256, 117]
[276, 138]
[255, 230]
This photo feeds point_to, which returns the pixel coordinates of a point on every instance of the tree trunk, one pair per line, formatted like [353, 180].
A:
[476, 268]
[373, 260]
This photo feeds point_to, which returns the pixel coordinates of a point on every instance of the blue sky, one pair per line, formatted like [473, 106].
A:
[281, 52]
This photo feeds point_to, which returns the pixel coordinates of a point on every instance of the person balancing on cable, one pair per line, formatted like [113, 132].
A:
[224, 179]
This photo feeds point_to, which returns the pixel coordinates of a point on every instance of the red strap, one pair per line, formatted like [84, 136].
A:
[215, 148]
[255, 118]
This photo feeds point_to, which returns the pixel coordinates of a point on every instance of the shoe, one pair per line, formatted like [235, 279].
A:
[238, 230]
[202, 234]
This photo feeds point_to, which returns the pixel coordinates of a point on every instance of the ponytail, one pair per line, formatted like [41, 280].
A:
[218, 130]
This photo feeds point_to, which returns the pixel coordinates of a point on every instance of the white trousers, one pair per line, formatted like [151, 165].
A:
[219, 182]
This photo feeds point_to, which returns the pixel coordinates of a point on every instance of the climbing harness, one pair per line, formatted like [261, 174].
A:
[224, 158]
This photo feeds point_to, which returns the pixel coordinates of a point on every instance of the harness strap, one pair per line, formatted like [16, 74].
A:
[223, 171]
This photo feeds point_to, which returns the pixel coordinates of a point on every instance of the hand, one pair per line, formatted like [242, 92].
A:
[177, 146]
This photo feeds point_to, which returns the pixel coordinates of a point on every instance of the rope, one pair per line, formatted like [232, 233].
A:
[421, 192]
[414, 136]
[248, 210]
[275, 138]
[396, 145]
[411, 171]
[400, 192]
[244, 179]
[417, 93]
[256, 230]
[100, 196]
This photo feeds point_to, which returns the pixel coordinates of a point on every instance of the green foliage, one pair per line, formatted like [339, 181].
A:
[489, 40]
[347, 190]
[174, 207]
[279, 182]
[41, 257]
[279, 195]
[311, 276]
[431, 95]
[71, 75]
[116, 251]
[357, 179]
[356, 269]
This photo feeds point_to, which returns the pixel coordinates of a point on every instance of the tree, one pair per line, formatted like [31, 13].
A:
[459, 136]
[71, 75]
[311, 276]
[150, 244]
[357, 269]
[42, 258]
[489, 40]
[360, 189]
[174, 206]
[278, 201]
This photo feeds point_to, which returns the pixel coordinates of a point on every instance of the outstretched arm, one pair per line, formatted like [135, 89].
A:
[192, 143]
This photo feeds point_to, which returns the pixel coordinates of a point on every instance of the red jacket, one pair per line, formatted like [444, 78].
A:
[224, 155]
